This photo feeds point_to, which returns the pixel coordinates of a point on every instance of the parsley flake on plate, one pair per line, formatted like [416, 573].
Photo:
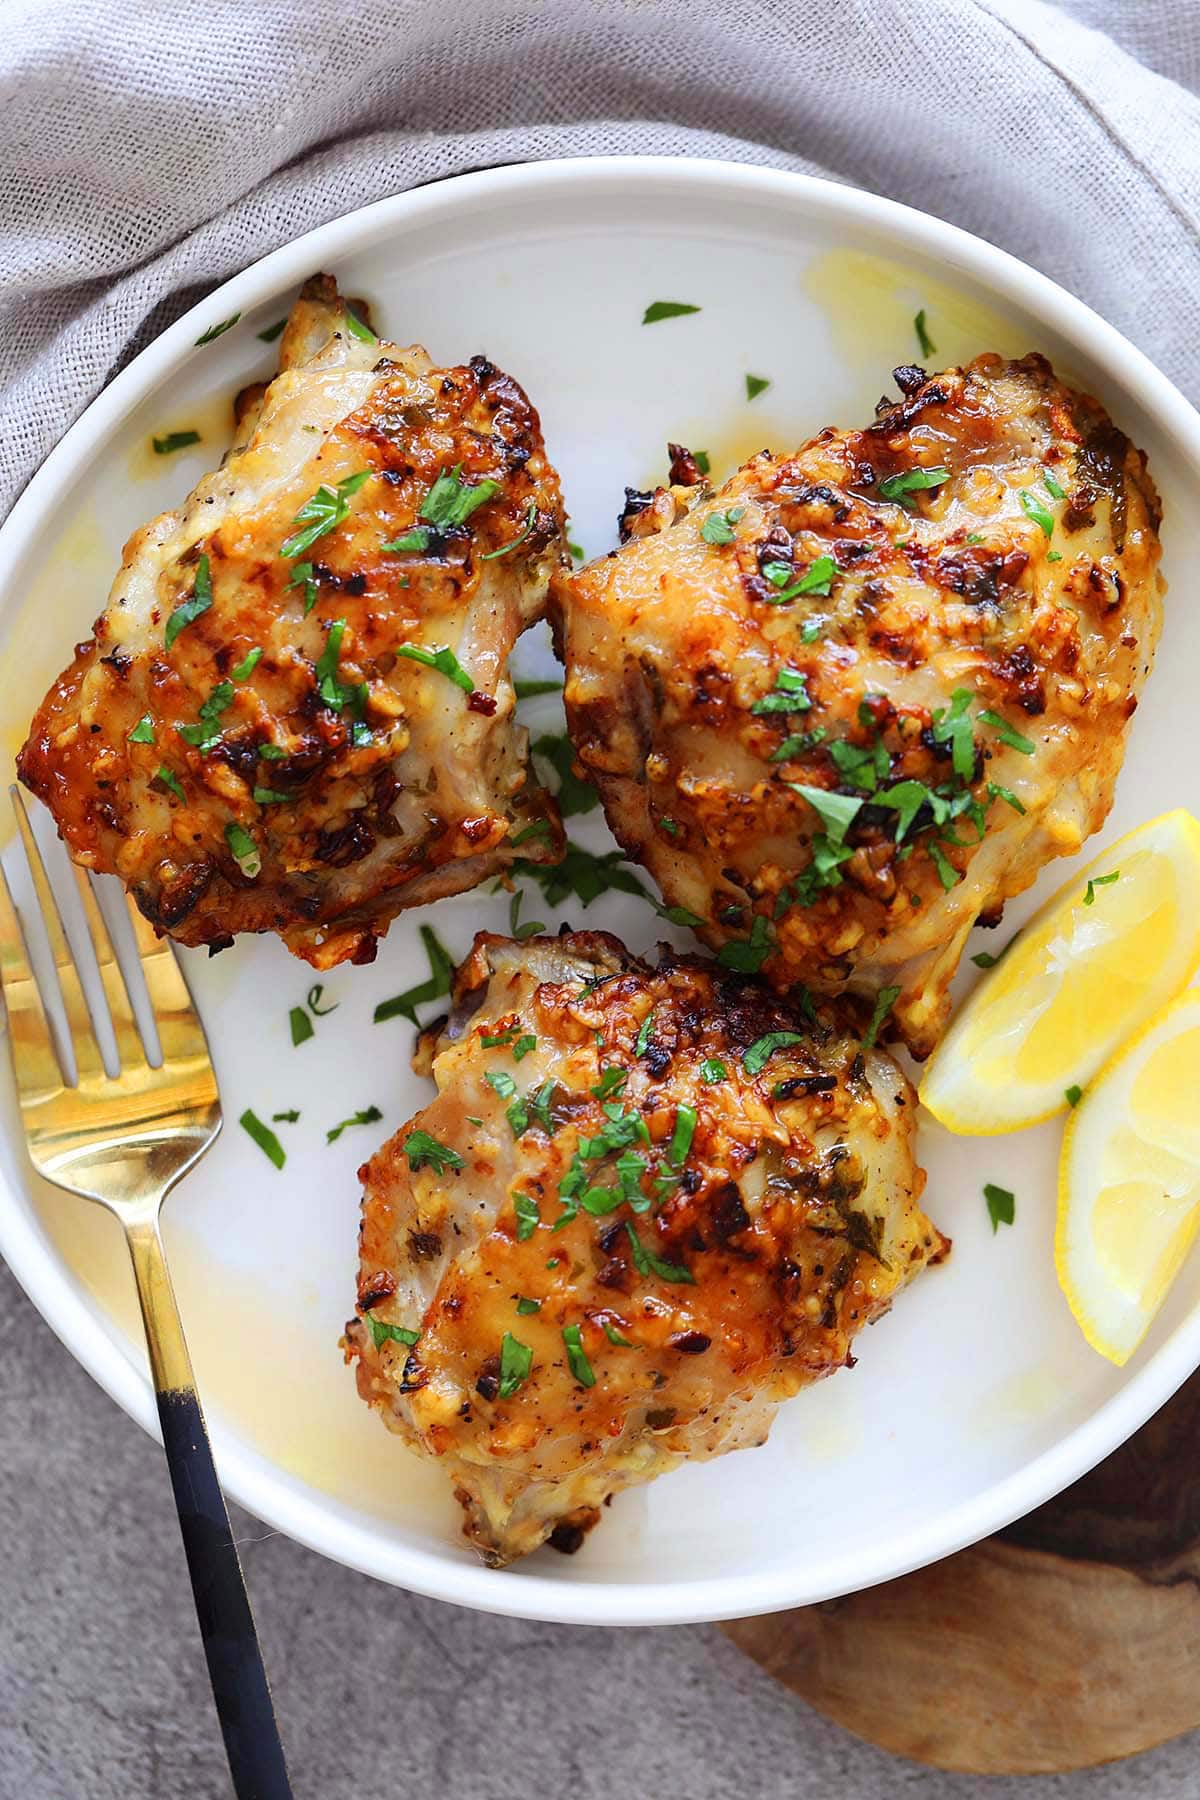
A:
[366, 1115]
[264, 1137]
[171, 441]
[216, 331]
[666, 309]
[756, 385]
[927, 345]
[1001, 1205]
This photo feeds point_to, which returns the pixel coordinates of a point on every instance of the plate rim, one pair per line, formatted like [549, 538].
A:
[249, 1478]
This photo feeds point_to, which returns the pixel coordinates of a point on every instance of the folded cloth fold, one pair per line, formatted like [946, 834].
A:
[150, 151]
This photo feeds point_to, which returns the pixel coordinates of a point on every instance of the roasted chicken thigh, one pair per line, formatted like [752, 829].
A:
[845, 706]
[646, 1206]
[295, 714]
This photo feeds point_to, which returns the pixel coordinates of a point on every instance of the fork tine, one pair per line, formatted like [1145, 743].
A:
[88, 1061]
[180, 1031]
[131, 1055]
[35, 1060]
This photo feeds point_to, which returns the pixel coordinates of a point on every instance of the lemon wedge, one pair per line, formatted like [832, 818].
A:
[1100, 958]
[1129, 1182]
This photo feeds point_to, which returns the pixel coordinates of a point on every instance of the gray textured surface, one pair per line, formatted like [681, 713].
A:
[103, 1693]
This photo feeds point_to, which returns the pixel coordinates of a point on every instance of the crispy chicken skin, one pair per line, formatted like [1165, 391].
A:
[847, 705]
[321, 788]
[703, 1225]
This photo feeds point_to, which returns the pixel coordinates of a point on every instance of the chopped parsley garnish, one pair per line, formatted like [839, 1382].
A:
[973, 537]
[174, 440]
[718, 526]
[763, 1049]
[611, 1081]
[516, 1360]
[679, 915]
[996, 792]
[326, 508]
[359, 328]
[207, 731]
[520, 930]
[614, 1336]
[528, 1215]
[541, 828]
[143, 731]
[952, 725]
[1074, 1094]
[425, 1152]
[503, 550]
[861, 767]
[302, 576]
[581, 1368]
[272, 752]
[927, 345]
[836, 812]
[245, 852]
[573, 793]
[899, 487]
[525, 1307]
[713, 1069]
[885, 999]
[789, 695]
[442, 659]
[641, 1042]
[1005, 732]
[170, 780]
[816, 579]
[576, 550]
[441, 968]
[1054, 556]
[1096, 881]
[383, 1333]
[528, 690]
[500, 1083]
[336, 693]
[799, 744]
[367, 1115]
[449, 503]
[681, 1137]
[1052, 487]
[671, 826]
[1033, 509]
[906, 798]
[986, 959]
[272, 331]
[523, 1046]
[747, 955]
[666, 309]
[286, 1118]
[216, 331]
[647, 1262]
[756, 385]
[301, 1024]
[264, 1137]
[199, 602]
[580, 872]
[248, 664]
[948, 875]
[1001, 1205]
[313, 999]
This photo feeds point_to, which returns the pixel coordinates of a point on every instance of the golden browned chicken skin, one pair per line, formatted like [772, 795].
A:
[646, 1206]
[852, 701]
[295, 713]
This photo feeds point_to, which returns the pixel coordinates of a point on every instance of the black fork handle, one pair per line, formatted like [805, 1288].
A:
[231, 1647]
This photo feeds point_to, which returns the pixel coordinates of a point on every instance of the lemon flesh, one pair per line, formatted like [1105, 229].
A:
[1129, 1182]
[1083, 976]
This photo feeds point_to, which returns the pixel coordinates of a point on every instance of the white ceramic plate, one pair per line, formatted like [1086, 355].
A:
[977, 1398]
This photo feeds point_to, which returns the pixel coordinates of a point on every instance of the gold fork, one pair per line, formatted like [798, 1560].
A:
[125, 1141]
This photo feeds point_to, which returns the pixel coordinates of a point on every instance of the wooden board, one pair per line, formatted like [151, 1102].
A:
[1068, 1640]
